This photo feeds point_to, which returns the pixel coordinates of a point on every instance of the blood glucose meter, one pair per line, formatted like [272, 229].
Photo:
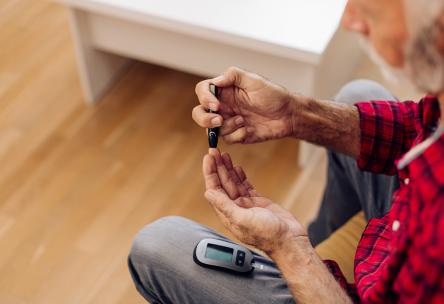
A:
[223, 255]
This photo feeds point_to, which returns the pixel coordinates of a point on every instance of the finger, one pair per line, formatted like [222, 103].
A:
[205, 119]
[224, 206]
[206, 98]
[245, 202]
[232, 216]
[233, 76]
[240, 173]
[223, 217]
[243, 178]
[231, 124]
[225, 221]
[226, 181]
[243, 191]
[210, 173]
[253, 193]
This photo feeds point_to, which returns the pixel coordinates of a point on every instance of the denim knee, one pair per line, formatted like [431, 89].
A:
[362, 90]
[150, 245]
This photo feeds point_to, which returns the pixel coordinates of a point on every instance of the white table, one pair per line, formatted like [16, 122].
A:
[292, 42]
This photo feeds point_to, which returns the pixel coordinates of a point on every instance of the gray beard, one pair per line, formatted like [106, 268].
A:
[424, 61]
[423, 66]
[396, 76]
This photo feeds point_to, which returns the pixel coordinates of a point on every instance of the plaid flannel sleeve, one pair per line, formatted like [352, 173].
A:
[387, 132]
[350, 289]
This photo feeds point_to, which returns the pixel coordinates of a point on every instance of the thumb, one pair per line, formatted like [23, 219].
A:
[221, 202]
[231, 77]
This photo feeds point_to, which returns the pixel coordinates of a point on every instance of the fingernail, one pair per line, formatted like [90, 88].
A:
[213, 106]
[250, 130]
[216, 121]
[214, 153]
[218, 79]
[239, 121]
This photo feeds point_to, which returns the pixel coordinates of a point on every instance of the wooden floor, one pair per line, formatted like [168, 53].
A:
[78, 182]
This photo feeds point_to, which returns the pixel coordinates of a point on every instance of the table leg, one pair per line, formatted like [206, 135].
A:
[98, 70]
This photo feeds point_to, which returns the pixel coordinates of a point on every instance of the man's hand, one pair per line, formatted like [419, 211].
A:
[253, 219]
[257, 221]
[251, 108]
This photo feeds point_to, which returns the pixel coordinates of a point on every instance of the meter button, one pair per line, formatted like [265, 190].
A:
[240, 258]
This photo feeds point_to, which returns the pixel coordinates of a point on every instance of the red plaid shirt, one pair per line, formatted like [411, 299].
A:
[400, 257]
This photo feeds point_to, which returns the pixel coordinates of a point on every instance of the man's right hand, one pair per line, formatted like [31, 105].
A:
[251, 108]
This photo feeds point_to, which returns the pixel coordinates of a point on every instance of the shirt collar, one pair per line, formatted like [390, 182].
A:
[430, 112]
[420, 148]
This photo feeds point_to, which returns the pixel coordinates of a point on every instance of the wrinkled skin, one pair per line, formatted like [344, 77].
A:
[240, 207]
[251, 108]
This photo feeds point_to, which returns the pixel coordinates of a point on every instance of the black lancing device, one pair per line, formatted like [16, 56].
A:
[213, 133]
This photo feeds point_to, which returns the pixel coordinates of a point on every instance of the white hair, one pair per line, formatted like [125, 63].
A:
[421, 13]
[423, 61]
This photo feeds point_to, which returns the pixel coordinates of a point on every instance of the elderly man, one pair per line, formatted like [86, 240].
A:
[400, 257]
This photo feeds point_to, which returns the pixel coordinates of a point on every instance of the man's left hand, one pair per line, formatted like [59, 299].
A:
[253, 219]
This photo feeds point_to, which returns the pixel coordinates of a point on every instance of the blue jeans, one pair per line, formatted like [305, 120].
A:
[161, 258]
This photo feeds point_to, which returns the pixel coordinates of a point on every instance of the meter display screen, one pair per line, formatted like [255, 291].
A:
[219, 253]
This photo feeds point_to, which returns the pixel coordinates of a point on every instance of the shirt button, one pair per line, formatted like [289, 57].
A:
[407, 181]
[395, 225]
